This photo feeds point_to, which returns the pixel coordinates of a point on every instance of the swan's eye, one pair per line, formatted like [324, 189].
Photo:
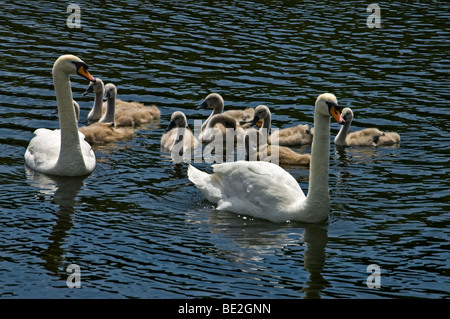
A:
[335, 105]
[82, 70]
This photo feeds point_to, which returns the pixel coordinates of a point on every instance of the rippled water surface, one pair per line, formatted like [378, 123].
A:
[138, 228]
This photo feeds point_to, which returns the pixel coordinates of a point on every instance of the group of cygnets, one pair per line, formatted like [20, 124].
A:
[279, 142]
[257, 188]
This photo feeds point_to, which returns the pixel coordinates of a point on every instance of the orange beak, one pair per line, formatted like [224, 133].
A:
[84, 73]
[259, 123]
[337, 116]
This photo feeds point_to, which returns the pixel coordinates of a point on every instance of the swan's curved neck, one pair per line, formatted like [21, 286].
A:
[110, 110]
[226, 121]
[217, 110]
[70, 141]
[98, 105]
[265, 128]
[318, 193]
[343, 132]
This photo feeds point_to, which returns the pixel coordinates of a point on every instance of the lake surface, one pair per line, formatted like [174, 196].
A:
[138, 228]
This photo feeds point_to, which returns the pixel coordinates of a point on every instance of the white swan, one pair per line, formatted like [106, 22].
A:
[265, 190]
[62, 152]
[364, 137]
[133, 114]
[178, 131]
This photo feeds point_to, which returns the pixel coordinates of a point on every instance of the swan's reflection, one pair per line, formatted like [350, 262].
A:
[254, 240]
[315, 238]
[64, 191]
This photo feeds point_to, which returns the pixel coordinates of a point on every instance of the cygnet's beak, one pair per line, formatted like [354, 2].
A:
[204, 105]
[171, 126]
[89, 89]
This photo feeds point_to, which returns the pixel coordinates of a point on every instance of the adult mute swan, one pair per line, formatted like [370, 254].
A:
[365, 137]
[62, 152]
[177, 132]
[265, 190]
[133, 114]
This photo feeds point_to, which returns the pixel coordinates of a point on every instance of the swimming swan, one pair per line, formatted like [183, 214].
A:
[364, 137]
[178, 131]
[281, 155]
[265, 190]
[294, 136]
[215, 101]
[267, 152]
[99, 107]
[62, 152]
[132, 114]
[290, 136]
[104, 133]
[218, 126]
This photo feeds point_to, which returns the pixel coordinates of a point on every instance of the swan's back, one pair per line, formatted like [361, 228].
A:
[372, 137]
[43, 149]
[257, 189]
[293, 136]
[105, 133]
[135, 114]
[285, 155]
[241, 115]
[43, 152]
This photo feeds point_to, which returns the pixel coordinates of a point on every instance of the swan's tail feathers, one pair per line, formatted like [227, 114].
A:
[210, 185]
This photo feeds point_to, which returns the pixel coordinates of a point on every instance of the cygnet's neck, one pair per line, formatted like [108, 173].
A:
[343, 132]
[265, 128]
[97, 109]
[218, 109]
[110, 110]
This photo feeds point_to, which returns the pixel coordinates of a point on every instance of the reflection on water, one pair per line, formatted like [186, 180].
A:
[62, 191]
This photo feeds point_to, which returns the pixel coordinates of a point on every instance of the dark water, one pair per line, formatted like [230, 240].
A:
[136, 226]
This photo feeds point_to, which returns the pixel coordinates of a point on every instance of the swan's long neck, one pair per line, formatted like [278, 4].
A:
[265, 128]
[98, 105]
[70, 141]
[318, 193]
[342, 135]
[110, 110]
[217, 110]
